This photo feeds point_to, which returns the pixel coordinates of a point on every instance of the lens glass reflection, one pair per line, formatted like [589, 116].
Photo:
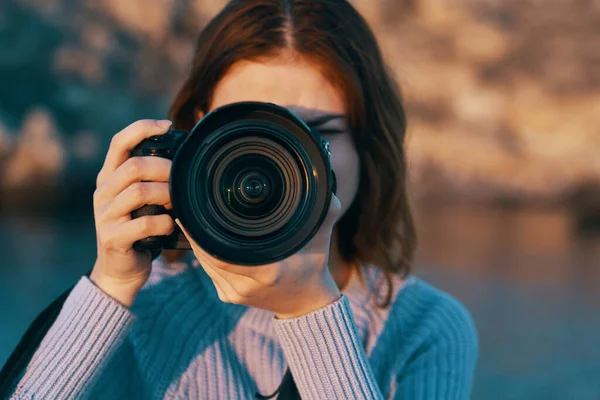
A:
[251, 186]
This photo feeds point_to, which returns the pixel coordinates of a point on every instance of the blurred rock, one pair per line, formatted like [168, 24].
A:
[150, 19]
[38, 156]
[503, 104]
[79, 63]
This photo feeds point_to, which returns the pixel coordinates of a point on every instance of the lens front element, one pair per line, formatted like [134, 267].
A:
[256, 184]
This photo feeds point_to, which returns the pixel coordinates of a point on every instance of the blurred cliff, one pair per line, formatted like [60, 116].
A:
[503, 96]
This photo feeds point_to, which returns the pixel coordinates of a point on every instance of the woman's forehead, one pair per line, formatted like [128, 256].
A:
[298, 86]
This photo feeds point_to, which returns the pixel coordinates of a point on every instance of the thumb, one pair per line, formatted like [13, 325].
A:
[198, 251]
[187, 235]
[185, 232]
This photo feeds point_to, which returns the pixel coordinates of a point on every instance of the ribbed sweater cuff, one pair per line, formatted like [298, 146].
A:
[89, 328]
[325, 355]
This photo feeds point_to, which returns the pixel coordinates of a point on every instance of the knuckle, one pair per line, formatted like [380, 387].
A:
[96, 197]
[100, 218]
[115, 141]
[107, 241]
[145, 225]
[133, 166]
[99, 179]
[138, 192]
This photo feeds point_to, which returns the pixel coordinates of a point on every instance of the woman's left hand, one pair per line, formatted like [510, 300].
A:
[290, 288]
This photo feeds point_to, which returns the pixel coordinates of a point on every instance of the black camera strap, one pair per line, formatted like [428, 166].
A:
[287, 389]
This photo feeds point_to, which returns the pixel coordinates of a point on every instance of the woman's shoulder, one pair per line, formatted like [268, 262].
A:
[414, 303]
[418, 314]
[424, 322]
[427, 332]
[432, 312]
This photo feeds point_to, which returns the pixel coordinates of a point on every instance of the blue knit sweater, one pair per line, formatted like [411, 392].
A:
[179, 341]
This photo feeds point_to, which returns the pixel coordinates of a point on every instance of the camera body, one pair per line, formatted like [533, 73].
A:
[164, 146]
[251, 183]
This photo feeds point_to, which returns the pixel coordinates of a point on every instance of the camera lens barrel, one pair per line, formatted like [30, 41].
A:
[251, 183]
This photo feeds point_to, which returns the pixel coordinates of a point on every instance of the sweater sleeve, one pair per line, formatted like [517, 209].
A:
[90, 327]
[325, 355]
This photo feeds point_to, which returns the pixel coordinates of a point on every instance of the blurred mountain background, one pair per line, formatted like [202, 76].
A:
[502, 96]
[503, 99]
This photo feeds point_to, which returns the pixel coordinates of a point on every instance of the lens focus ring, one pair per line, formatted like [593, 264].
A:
[241, 208]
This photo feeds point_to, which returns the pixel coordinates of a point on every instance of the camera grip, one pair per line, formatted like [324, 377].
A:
[152, 243]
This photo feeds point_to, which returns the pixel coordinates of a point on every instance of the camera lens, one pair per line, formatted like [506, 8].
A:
[252, 183]
[257, 186]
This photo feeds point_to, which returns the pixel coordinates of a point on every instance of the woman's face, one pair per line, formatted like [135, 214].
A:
[300, 87]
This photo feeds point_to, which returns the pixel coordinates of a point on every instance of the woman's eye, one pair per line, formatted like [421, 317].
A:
[329, 131]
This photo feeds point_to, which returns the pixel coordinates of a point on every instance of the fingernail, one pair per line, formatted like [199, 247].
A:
[164, 123]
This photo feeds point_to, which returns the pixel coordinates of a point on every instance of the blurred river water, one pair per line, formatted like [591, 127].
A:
[531, 283]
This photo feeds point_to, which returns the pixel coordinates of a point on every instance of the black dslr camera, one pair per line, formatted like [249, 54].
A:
[251, 183]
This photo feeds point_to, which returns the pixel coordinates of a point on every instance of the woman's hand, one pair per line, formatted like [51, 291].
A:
[292, 287]
[120, 271]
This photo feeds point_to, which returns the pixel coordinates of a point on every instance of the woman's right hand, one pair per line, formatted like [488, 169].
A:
[120, 271]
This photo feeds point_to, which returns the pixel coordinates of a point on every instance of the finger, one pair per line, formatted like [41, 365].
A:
[199, 252]
[135, 169]
[129, 232]
[124, 141]
[195, 247]
[137, 195]
[221, 284]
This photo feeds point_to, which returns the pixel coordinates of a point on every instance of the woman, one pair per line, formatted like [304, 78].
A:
[343, 314]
